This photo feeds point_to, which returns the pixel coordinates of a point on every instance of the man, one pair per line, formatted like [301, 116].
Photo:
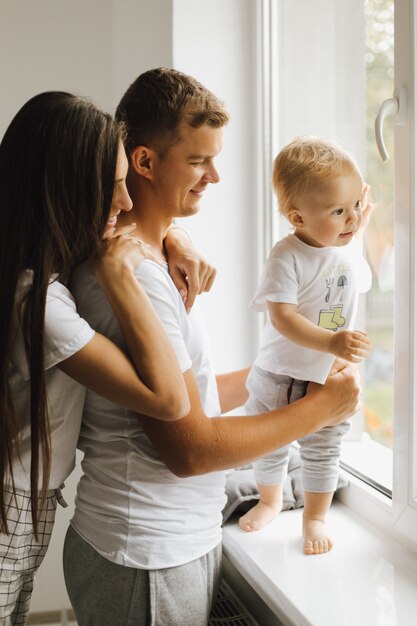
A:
[144, 544]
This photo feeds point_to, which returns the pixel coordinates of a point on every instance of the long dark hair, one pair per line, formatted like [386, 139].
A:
[57, 169]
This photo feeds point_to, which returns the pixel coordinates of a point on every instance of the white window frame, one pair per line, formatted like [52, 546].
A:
[405, 448]
[398, 516]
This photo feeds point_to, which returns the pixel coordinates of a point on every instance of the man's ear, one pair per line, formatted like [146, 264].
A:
[142, 161]
[295, 218]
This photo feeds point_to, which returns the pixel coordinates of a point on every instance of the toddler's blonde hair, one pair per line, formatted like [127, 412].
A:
[303, 162]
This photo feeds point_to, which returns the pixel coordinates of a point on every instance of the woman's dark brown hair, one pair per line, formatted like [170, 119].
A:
[57, 169]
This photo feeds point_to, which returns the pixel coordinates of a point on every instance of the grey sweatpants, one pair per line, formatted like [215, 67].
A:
[104, 593]
[319, 452]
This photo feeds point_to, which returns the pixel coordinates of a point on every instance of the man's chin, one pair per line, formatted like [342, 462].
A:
[188, 211]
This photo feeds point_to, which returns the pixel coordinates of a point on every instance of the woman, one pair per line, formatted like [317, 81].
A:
[62, 186]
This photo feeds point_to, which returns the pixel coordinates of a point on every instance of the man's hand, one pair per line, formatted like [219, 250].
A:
[337, 366]
[190, 272]
[339, 397]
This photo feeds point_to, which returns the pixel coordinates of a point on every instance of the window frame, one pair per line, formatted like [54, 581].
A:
[405, 448]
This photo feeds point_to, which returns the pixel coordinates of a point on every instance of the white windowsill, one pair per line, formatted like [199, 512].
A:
[367, 579]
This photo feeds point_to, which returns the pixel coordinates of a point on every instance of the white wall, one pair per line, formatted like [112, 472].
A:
[93, 48]
[97, 48]
[216, 44]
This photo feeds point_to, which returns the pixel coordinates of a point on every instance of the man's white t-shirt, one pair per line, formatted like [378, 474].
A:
[130, 507]
[65, 334]
[324, 283]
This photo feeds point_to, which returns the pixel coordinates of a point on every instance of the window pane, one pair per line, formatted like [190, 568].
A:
[378, 368]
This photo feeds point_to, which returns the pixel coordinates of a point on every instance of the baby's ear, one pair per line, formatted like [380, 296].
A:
[295, 218]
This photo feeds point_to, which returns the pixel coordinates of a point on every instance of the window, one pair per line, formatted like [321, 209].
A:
[370, 457]
[379, 66]
[330, 66]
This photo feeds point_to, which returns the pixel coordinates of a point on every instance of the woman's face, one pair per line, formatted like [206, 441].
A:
[121, 200]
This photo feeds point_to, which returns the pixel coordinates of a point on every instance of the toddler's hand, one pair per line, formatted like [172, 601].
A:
[351, 345]
[367, 208]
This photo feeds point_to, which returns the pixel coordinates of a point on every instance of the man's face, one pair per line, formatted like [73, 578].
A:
[182, 175]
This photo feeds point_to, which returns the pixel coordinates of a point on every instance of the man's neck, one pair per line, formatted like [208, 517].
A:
[151, 227]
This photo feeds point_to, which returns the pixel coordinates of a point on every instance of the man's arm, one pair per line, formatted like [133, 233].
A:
[232, 390]
[198, 444]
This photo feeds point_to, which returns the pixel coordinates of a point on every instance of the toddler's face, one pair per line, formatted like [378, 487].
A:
[330, 212]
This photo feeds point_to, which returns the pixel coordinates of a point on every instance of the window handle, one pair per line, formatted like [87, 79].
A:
[393, 106]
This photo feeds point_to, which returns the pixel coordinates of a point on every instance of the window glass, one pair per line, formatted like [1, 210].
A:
[378, 368]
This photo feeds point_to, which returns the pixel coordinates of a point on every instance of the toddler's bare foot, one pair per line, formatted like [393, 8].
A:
[259, 516]
[268, 507]
[316, 537]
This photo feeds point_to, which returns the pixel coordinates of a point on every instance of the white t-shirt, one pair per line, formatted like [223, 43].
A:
[130, 507]
[65, 334]
[324, 284]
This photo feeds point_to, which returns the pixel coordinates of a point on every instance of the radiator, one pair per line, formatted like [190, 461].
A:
[229, 611]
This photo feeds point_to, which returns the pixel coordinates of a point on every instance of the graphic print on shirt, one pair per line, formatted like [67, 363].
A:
[342, 282]
[332, 318]
[329, 285]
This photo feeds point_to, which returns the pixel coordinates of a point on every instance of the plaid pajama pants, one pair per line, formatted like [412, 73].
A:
[21, 554]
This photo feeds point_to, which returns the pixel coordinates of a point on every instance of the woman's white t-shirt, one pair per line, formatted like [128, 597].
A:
[65, 334]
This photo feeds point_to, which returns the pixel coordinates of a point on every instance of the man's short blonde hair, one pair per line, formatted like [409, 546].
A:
[304, 162]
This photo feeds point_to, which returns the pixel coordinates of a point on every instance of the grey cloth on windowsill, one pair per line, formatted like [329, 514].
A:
[242, 492]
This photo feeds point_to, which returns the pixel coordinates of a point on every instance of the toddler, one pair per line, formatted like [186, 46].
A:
[309, 288]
